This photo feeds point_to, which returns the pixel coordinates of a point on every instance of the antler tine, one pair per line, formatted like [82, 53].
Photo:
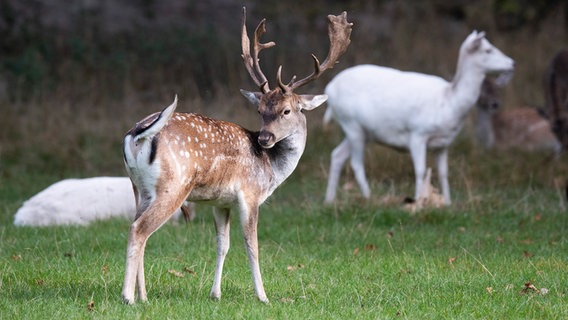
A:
[245, 44]
[260, 30]
[252, 62]
[283, 87]
[339, 31]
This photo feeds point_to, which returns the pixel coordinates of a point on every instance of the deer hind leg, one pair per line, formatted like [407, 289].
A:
[338, 157]
[222, 229]
[249, 223]
[356, 137]
[148, 220]
[140, 280]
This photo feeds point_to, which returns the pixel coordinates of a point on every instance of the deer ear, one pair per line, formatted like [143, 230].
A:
[476, 37]
[310, 101]
[253, 97]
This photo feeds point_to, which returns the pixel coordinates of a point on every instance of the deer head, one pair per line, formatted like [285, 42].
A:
[280, 108]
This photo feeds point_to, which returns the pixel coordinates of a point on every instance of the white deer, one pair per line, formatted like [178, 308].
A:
[64, 203]
[173, 156]
[407, 111]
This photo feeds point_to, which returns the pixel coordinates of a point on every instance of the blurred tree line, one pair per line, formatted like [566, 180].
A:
[112, 47]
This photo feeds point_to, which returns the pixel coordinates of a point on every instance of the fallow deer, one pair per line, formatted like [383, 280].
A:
[407, 111]
[522, 128]
[171, 157]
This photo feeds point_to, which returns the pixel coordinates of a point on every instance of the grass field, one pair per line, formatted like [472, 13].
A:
[507, 230]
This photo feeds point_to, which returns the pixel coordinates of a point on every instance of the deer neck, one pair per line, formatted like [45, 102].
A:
[466, 86]
[285, 155]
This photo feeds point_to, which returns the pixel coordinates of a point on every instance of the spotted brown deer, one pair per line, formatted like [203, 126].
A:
[522, 128]
[172, 156]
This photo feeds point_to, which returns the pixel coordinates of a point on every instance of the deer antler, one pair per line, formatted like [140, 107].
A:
[339, 32]
[252, 63]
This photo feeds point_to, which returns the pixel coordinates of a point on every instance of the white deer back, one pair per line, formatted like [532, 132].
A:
[79, 202]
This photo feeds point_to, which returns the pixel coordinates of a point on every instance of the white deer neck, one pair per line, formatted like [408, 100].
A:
[466, 87]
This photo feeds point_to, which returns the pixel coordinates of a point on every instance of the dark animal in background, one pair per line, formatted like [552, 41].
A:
[556, 96]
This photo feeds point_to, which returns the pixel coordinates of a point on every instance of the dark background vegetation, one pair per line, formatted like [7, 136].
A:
[115, 48]
[75, 75]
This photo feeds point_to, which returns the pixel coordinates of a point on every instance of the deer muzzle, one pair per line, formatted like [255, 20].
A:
[266, 139]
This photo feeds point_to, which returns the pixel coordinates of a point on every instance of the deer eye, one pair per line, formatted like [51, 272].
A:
[287, 111]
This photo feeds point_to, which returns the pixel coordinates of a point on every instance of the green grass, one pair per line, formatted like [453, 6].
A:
[357, 259]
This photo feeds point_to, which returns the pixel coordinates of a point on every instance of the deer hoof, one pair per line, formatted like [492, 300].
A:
[215, 296]
[128, 301]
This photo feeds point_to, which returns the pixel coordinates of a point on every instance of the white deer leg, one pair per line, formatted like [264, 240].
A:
[418, 154]
[442, 161]
[338, 157]
[222, 228]
[249, 221]
[356, 137]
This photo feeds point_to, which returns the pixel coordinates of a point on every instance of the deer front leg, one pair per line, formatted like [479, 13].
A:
[249, 221]
[418, 153]
[222, 228]
[442, 160]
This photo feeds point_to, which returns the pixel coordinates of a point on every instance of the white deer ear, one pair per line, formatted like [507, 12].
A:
[475, 40]
[310, 101]
[253, 97]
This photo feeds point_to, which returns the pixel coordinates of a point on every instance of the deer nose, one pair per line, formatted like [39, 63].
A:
[265, 139]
